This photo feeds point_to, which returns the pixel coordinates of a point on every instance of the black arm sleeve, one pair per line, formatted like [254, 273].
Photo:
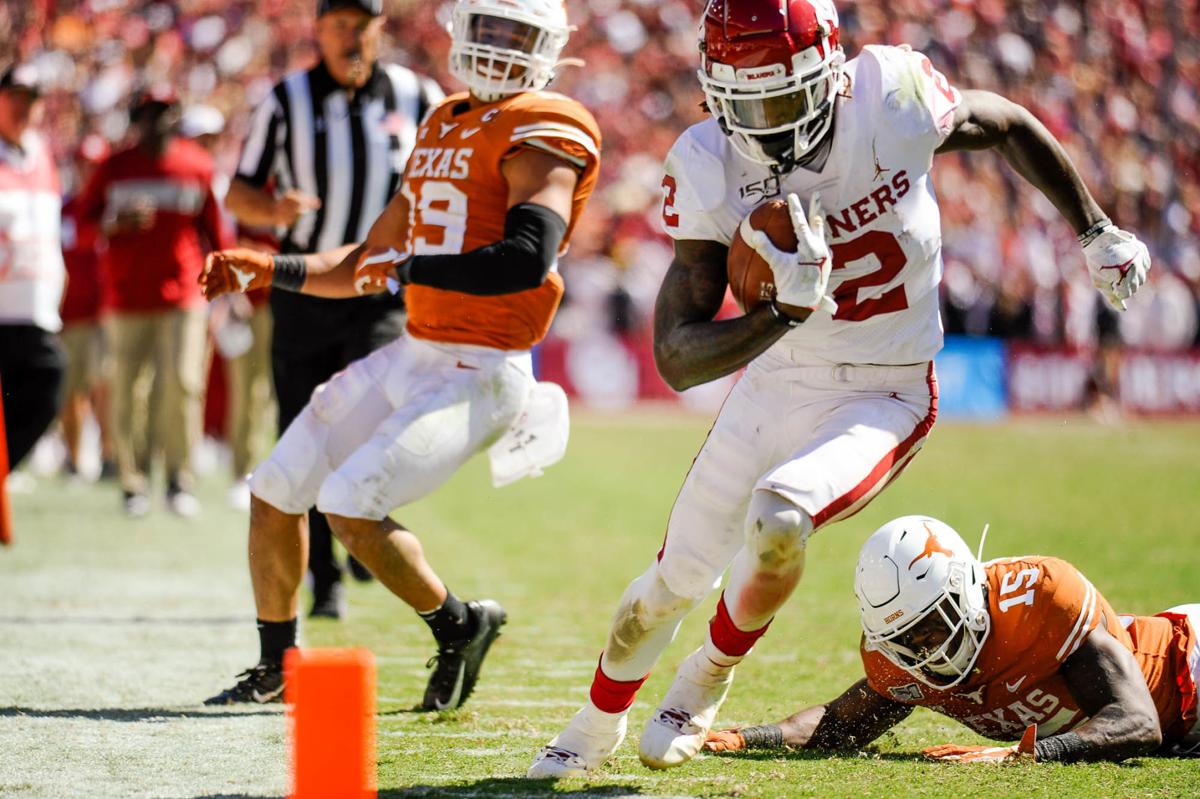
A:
[518, 262]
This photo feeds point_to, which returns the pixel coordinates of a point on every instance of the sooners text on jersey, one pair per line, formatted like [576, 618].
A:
[882, 216]
[458, 200]
[1042, 609]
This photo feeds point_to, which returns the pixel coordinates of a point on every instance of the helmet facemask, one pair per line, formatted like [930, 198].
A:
[500, 51]
[773, 115]
[961, 610]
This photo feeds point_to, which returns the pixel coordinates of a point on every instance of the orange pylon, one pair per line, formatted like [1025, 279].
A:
[331, 699]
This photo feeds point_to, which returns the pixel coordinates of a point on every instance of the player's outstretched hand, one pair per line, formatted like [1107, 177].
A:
[235, 271]
[1118, 264]
[953, 753]
[376, 269]
[801, 277]
[724, 741]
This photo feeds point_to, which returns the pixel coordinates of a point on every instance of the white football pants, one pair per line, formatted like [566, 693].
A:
[393, 426]
[827, 439]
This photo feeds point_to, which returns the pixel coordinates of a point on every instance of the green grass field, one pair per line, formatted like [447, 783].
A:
[112, 631]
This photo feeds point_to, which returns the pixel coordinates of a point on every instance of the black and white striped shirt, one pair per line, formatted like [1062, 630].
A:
[349, 150]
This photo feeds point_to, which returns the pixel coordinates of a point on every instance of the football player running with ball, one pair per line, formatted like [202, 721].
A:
[492, 191]
[839, 391]
[1015, 648]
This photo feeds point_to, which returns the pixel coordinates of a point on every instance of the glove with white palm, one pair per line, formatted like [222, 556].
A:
[801, 277]
[1117, 262]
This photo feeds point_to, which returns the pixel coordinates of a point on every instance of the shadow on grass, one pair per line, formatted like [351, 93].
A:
[192, 621]
[510, 787]
[133, 714]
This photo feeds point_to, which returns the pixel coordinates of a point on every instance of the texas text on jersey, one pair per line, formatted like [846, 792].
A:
[1042, 609]
[884, 225]
[458, 198]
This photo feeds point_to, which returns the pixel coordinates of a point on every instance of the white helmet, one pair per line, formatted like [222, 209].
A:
[504, 47]
[909, 569]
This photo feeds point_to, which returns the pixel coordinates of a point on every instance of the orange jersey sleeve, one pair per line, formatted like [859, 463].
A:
[458, 201]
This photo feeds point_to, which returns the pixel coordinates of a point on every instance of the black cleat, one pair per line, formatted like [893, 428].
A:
[261, 684]
[329, 602]
[456, 664]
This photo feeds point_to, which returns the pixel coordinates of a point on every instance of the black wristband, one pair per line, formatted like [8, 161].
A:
[1088, 236]
[781, 317]
[290, 272]
[1062, 748]
[766, 736]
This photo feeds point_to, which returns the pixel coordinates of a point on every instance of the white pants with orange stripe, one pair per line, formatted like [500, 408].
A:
[826, 439]
[393, 426]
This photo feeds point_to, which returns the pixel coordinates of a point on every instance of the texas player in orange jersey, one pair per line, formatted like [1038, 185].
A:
[1013, 648]
[496, 183]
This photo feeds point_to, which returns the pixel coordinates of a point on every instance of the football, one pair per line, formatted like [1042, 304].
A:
[750, 277]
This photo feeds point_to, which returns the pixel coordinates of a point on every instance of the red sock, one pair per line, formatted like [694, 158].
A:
[610, 695]
[727, 637]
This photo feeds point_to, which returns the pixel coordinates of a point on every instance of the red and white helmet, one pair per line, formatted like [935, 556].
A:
[771, 70]
[908, 570]
[505, 47]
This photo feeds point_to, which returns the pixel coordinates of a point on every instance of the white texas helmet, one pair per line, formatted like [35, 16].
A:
[909, 568]
[521, 57]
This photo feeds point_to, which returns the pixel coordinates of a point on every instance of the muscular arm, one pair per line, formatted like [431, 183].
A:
[850, 722]
[689, 347]
[331, 274]
[541, 195]
[518, 262]
[1105, 681]
[988, 121]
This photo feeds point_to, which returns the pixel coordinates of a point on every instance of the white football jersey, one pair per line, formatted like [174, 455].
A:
[882, 217]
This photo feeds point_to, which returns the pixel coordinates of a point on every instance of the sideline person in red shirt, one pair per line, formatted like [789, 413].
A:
[155, 204]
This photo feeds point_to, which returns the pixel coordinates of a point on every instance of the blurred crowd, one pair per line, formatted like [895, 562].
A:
[1117, 81]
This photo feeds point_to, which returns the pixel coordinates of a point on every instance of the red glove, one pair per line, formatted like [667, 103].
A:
[953, 753]
[724, 741]
[235, 271]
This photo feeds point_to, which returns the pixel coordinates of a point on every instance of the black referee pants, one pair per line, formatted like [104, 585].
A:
[32, 364]
[297, 373]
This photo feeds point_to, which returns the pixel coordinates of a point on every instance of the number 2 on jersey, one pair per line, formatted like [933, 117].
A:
[440, 204]
[890, 255]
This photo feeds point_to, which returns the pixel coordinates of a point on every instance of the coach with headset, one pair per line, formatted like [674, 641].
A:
[326, 151]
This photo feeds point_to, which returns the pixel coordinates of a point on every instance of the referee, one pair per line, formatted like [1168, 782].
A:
[325, 153]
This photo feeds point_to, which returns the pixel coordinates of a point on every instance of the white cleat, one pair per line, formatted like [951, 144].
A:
[676, 732]
[586, 743]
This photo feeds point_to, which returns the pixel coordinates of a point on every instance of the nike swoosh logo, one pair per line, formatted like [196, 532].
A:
[462, 365]
[262, 699]
[469, 132]
[447, 127]
[454, 695]
[1015, 685]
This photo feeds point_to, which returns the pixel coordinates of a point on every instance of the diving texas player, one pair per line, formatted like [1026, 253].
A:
[834, 403]
[492, 191]
[1001, 646]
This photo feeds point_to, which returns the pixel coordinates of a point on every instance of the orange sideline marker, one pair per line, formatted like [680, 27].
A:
[331, 701]
[5, 512]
